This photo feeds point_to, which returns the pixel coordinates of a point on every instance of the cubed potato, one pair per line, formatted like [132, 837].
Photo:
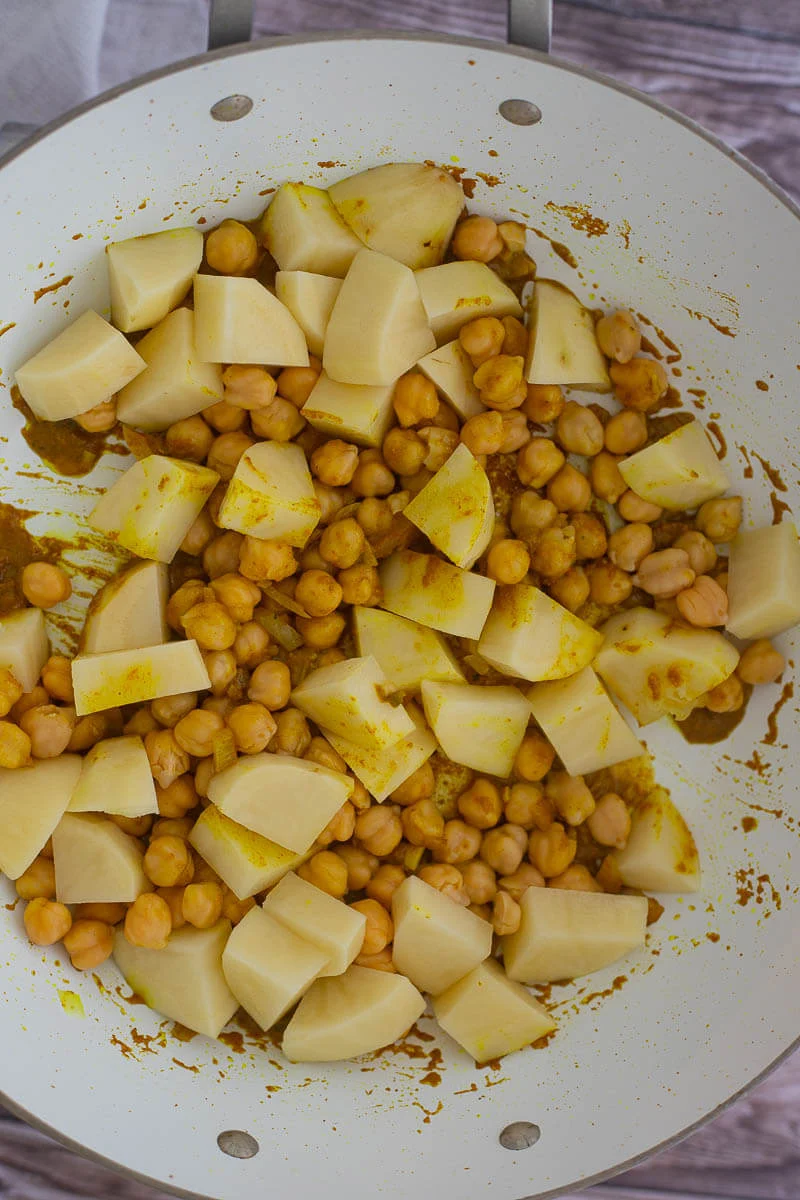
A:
[405, 651]
[458, 292]
[310, 299]
[236, 320]
[405, 210]
[433, 593]
[285, 799]
[129, 611]
[245, 861]
[24, 645]
[382, 771]
[133, 676]
[150, 509]
[327, 923]
[657, 667]
[455, 509]
[378, 328]
[451, 369]
[491, 1015]
[351, 1014]
[563, 349]
[764, 581]
[175, 384]
[578, 718]
[303, 232]
[149, 275]
[354, 412]
[95, 862]
[480, 727]
[679, 471]
[660, 854]
[271, 495]
[268, 967]
[530, 636]
[436, 940]
[564, 934]
[83, 366]
[349, 698]
[32, 802]
[116, 778]
[184, 981]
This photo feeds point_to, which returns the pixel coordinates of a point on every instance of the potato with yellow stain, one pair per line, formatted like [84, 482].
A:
[116, 778]
[660, 854]
[451, 370]
[383, 771]
[436, 941]
[95, 862]
[531, 636]
[434, 593]
[406, 651]
[271, 495]
[303, 232]
[355, 412]
[121, 677]
[24, 645]
[349, 699]
[247, 862]
[149, 275]
[679, 471]
[458, 292]
[32, 802]
[129, 611]
[237, 320]
[310, 299]
[455, 509]
[477, 726]
[268, 967]
[563, 349]
[491, 1015]
[579, 719]
[333, 927]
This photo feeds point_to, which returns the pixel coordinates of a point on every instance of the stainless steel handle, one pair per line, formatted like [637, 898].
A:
[229, 22]
[530, 23]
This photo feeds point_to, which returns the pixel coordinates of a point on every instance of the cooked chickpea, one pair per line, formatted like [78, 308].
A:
[109, 914]
[45, 585]
[483, 433]
[173, 898]
[506, 914]
[605, 478]
[578, 430]
[554, 552]
[571, 796]
[15, 746]
[203, 774]
[221, 557]
[10, 690]
[702, 555]
[415, 400]
[477, 238]
[544, 403]
[179, 798]
[372, 477]
[238, 595]
[576, 878]
[591, 539]
[179, 827]
[439, 445]
[168, 861]
[49, 729]
[500, 382]
[46, 922]
[201, 905]
[88, 944]
[626, 432]
[341, 827]
[334, 463]
[99, 419]
[664, 573]
[187, 596]
[195, 732]
[168, 760]
[379, 830]
[633, 508]
[342, 543]
[571, 589]
[251, 646]
[253, 727]
[297, 383]
[201, 533]
[526, 876]
[447, 879]
[608, 584]
[418, 786]
[248, 387]
[530, 514]
[266, 560]
[135, 826]
[720, 519]
[727, 696]
[270, 685]
[516, 433]
[233, 909]
[526, 805]
[89, 730]
[423, 824]
[480, 881]
[360, 585]
[280, 421]
[569, 490]
[630, 545]
[327, 872]
[231, 248]
[225, 417]
[404, 451]
[508, 561]
[481, 805]
[534, 758]
[56, 679]
[760, 663]
[168, 710]
[321, 633]
[211, 626]
[318, 592]
[139, 725]
[515, 339]
[378, 962]
[482, 339]
[360, 866]
[322, 752]
[501, 850]
[459, 844]
[292, 735]
[379, 929]
[618, 336]
[221, 667]
[148, 922]
[359, 797]
[552, 850]
[640, 384]
[190, 438]
[374, 516]
[610, 823]
[225, 452]
[704, 604]
[39, 880]
[384, 883]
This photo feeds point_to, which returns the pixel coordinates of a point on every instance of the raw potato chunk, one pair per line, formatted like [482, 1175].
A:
[378, 328]
[81, 367]
[116, 778]
[658, 668]
[491, 1015]
[564, 934]
[149, 275]
[450, 369]
[95, 862]
[405, 210]
[303, 232]
[129, 611]
[354, 412]
[32, 802]
[563, 348]
[175, 384]
[764, 581]
[480, 727]
[405, 651]
[348, 698]
[24, 645]
[285, 799]
[436, 941]
[184, 981]
[455, 509]
[679, 471]
[245, 861]
[434, 593]
[529, 635]
[351, 1014]
[335, 929]
[660, 854]
[150, 509]
[267, 967]
[133, 676]
[236, 320]
[381, 771]
[271, 495]
[580, 721]
[310, 299]
[458, 292]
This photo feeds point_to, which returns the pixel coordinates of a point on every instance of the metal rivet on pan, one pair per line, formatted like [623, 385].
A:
[520, 1135]
[520, 112]
[237, 1143]
[231, 108]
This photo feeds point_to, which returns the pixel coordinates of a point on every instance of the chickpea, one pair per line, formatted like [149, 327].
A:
[483, 433]
[591, 540]
[447, 879]
[727, 696]
[44, 585]
[526, 876]
[608, 584]
[702, 555]
[168, 861]
[508, 561]
[379, 830]
[384, 883]
[190, 438]
[49, 730]
[360, 866]
[500, 382]
[201, 533]
[231, 248]
[552, 850]
[501, 850]
[297, 383]
[15, 746]
[327, 872]
[134, 826]
[626, 432]
[168, 710]
[418, 786]
[719, 520]
[576, 878]
[248, 387]
[334, 462]
[664, 573]
[479, 881]
[318, 592]
[109, 914]
[506, 914]
[148, 922]
[179, 798]
[515, 339]
[480, 805]
[516, 433]
[554, 553]
[571, 589]
[280, 421]
[167, 758]
[100, 419]
[222, 705]
[439, 445]
[633, 508]
[610, 823]
[266, 561]
[404, 451]
[526, 805]
[140, 724]
[378, 962]
[605, 477]
[215, 502]
[640, 384]
[379, 928]
[579, 430]
[374, 516]
[483, 339]
[292, 735]
[630, 545]
[270, 685]
[10, 690]
[534, 758]
[252, 645]
[225, 417]
[477, 238]
[704, 604]
[543, 403]
[320, 751]
[330, 500]
[760, 663]
[179, 827]
[188, 594]
[360, 585]
[233, 909]
[569, 490]
[89, 730]
[341, 827]
[372, 477]
[220, 558]
[88, 944]
[210, 625]
[321, 633]
[238, 595]
[342, 543]
[39, 880]
[415, 400]
[412, 485]
[201, 905]
[459, 844]
[173, 898]
[253, 727]
[618, 336]
[531, 515]
[221, 667]
[56, 678]
[46, 922]
[359, 797]
[571, 796]
[423, 824]
[203, 774]
[225, 452]
[195, 732]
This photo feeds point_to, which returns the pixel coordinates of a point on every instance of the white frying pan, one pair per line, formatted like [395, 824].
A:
[705, 247]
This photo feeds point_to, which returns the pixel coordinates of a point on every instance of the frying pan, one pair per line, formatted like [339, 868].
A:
[654, 213]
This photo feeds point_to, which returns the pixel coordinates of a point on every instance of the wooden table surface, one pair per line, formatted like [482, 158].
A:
[733, 65]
